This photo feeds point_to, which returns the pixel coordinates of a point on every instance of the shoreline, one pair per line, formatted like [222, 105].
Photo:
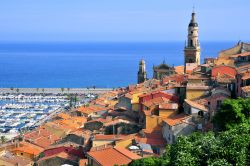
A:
[54, 90]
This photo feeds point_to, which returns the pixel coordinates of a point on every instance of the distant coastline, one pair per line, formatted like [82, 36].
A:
[78, 91]
[76, 65]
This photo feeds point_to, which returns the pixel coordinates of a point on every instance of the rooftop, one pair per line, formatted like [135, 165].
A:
[113, 156]
[196, 105]
[176, 119]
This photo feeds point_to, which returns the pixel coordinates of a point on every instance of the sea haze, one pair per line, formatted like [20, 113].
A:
[88, 64]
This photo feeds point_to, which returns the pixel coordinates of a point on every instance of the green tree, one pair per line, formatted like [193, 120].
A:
[151, 161]
[232, 112]
[230, 147]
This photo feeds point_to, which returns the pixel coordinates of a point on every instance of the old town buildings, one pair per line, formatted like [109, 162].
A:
[139, 120]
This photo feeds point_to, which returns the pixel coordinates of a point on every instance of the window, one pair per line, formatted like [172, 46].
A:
[219, 103]
[200, 113]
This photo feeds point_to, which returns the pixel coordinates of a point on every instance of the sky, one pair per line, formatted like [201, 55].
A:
[122, 20]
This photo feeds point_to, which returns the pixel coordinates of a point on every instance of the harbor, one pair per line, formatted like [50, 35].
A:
[24, 112]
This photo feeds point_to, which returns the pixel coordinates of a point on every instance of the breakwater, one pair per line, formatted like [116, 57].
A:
[54, 90]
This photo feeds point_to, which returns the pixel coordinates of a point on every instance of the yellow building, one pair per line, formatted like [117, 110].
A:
[152, 121]
[194, 92]
[135, 101]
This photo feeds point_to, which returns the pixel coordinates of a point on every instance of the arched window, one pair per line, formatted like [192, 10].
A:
[191, 43]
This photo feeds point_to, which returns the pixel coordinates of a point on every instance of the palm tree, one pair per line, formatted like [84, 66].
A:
[3, 139]
[17, 90]
[62, 89]
[11, 88]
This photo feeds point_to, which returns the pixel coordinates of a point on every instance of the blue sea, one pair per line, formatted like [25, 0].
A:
[57, 65]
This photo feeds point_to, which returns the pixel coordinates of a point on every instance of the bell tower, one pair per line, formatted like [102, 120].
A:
[142, 75]
[192, 46]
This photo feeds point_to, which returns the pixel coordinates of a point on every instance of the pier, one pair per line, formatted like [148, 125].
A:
[78, 91]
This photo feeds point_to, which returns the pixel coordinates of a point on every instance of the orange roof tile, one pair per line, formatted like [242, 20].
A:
[91, 109]
[28, 149]
[176, 119]
[63, 155]
[112, 156]
[179, 69]
[127, 153]
[64, 116]
[155, 101]
[196, 105]
[152, 136]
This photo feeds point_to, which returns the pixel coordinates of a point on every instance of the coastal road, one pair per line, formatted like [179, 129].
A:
[40, 122]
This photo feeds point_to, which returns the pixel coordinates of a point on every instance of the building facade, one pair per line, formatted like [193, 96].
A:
[162, 71]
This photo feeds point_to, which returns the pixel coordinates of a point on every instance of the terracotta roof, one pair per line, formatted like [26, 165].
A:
[91, 109]
[246, 76]
[63, 155]
[127, 153]
[177, 78]
[128, 95]
[112, 156]
[41, 137]
[155, 101]
[63, 116]
[241, 54]
[179, 69]
[151, 136]
[225, 78]
[246, 89]
[28, 149]
[176, 119]
[196, 105]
